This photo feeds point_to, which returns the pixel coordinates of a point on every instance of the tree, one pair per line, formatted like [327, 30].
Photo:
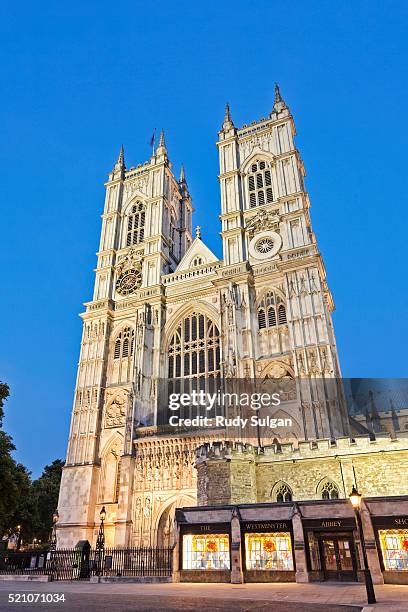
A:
[23, 502]
[44, 499]
[14, 478]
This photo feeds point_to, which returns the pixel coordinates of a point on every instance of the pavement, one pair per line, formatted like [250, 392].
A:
[284, 597]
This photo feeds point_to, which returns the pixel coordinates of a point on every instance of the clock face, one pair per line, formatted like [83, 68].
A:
[129, 281]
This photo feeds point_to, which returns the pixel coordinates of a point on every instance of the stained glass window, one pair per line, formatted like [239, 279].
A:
[206, 552]
[268, 551]
[394, 547]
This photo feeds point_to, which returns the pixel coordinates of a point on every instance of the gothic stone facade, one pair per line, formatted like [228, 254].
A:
[165, 306]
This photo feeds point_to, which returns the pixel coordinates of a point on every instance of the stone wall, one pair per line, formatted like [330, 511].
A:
[237, 473]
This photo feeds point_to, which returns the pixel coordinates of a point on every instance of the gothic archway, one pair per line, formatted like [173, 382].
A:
[166, 522]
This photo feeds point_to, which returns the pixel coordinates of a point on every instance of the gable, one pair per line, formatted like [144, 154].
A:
[198, 254]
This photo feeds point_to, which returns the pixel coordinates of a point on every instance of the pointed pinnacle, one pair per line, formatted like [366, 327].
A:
[279, 103]
[182, 175]
[228, 122]
[161, 141]
[120, 163]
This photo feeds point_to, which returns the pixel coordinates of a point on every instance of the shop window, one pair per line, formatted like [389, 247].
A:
[268, 551]
[206, 552]
[394, 547]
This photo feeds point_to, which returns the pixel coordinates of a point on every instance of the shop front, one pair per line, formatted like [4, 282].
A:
[391, 533]
[267, 551]
[205, 552]
[330, 549]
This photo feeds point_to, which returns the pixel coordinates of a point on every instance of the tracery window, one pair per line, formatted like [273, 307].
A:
[260, 184]
[124, 343]
[136, 224]
[328, 490]
[271, 311]
[194, 349]
[283, 493]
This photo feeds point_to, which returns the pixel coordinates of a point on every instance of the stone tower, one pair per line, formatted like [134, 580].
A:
[165, 306]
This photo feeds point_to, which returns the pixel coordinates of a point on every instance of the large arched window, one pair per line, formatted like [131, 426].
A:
[124, 343]
[194, 349]
[260, 184]
[271, 311]
[136, 224]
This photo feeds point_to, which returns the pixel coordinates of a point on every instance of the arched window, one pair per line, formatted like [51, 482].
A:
[197, 261]
[283, 493]
[194, 349]
[271, 311]
[328, 490]
[124, 343]
[260, 184]
[136, 223]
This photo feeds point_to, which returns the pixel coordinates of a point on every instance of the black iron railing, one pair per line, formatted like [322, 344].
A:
[77, 564]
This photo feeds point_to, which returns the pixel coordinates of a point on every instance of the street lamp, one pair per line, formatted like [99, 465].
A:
[355, 499]
[18, 537]
[100, 542]
[55, 518]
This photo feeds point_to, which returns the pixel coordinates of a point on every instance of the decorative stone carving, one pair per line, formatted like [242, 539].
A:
[262, 221]
[131, 259]
[116, 402]
[140, 183]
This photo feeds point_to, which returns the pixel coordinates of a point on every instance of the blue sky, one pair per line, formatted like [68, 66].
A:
[80, 78]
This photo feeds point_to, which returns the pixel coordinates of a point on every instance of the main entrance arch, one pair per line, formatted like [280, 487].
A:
[165, 523]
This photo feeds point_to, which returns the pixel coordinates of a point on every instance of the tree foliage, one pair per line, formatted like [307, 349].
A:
[25, 502]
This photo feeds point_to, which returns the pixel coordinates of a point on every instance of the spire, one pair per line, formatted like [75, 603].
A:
[161, 142]
[120, 166]
[182, 175]
[161, 149]
[228, 124]
[279, 104]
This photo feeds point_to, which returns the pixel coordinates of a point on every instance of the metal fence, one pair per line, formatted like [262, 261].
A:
[80, 564]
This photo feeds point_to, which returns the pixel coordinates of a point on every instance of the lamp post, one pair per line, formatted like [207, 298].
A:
[100, 542]
[18, 537]
[53, 541]
[355, 499]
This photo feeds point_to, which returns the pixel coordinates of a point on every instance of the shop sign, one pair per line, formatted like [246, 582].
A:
[205, 528]
[267, 526]
[329, 523]
[392, 522]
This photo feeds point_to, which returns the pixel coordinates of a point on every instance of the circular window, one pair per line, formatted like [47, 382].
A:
[265, 245]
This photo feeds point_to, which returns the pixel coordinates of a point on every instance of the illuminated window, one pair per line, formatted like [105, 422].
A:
[268, 551]
[394, 547]
[210, 551]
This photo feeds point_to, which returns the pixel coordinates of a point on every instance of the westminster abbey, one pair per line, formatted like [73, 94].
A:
[165, 306]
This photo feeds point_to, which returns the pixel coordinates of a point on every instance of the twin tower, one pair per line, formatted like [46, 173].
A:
[164, 306]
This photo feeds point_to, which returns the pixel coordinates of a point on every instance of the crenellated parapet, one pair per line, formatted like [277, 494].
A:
[236, 472]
